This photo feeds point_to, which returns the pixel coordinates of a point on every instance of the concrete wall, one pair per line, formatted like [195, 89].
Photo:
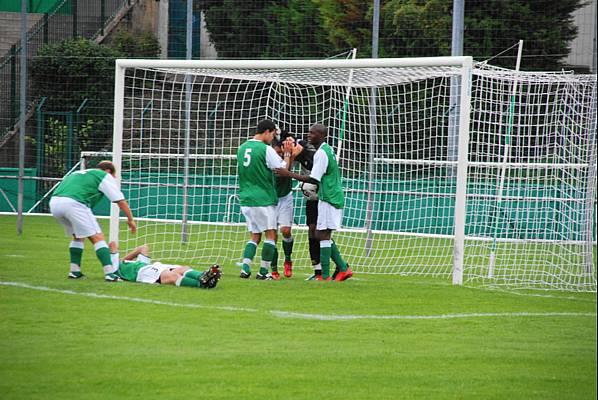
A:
[583, 47]
[10, 28]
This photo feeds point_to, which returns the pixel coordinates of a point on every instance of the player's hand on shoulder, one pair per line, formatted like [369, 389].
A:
[281, 172]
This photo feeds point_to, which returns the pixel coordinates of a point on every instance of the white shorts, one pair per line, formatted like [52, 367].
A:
[284, 210]
[260, 219]
[329, 217]
[76, 218]
[151, 273]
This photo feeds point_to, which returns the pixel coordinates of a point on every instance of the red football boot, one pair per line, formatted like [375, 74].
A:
[288, 269]
[344, 275]
[275, 275]
[321, 278]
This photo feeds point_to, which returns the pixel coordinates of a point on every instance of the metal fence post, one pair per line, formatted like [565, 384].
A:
[45, 27]
[74, 10]
[13, 83]
[102, 16]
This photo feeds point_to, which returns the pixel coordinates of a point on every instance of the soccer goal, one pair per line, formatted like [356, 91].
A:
[447, 170]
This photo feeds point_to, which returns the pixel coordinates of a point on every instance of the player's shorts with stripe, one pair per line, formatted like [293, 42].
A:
[76, 218]
[284, 210]
[329, 217]
[311, 212]
[260, 219]
[140, 271]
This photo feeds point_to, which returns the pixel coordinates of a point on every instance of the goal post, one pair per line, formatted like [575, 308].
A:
[411, 207]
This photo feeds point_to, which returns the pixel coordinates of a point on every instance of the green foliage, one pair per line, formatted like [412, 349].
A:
[423, 28]
[408, 28]
[346, 23]
[137, 45]
[73, 70]
[281, 29]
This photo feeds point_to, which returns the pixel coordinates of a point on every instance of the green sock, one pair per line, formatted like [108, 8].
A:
[193, 274]
[103, 255]
[274, 264]
[336, 257]
[325, 253]
[248, 255]
[187, 281]
[287, 246]
[76, 256]
[268, 250]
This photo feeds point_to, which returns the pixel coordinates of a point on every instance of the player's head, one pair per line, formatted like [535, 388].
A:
[267, 129]
[317, 134]
[107, 166]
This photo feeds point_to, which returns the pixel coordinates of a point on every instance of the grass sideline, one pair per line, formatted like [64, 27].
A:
[279, 340]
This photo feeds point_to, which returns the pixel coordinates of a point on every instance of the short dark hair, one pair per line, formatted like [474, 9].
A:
[320, 129]
[265, 125]
[107, 166]
[284, 134]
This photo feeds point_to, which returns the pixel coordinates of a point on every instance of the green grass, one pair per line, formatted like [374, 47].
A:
[67, 344]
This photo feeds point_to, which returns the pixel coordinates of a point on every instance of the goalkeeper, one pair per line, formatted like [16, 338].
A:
[306, 159]
[138, 267]
[71, 205]
[326, 174]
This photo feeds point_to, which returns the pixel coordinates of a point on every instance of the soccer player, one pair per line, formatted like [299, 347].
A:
[138, 267]
[325, 172]
[256, 160]
[306, 159]
[284, 211]
[71, 205]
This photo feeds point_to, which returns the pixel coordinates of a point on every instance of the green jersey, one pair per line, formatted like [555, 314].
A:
[257, 184]
[284, 185]
[326, 171]
[89, 186]
[128, 270]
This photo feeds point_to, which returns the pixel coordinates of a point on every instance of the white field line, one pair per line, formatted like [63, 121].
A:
[125, 298]
[334, 317]
[286, 314]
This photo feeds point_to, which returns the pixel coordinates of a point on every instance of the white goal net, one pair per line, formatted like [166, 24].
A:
[445, 171]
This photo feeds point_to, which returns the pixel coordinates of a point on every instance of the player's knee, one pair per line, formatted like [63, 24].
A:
[98, 237]
[286, 231]
[168, 278]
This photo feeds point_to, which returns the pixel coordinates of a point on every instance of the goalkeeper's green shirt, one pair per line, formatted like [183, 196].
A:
[326, 171]
[88, 187]
[257, 184]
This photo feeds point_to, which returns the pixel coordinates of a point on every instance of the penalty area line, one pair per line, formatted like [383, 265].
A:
[289, 314]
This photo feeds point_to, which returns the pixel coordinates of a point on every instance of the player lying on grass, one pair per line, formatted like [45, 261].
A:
[138, 267]
[71, 205]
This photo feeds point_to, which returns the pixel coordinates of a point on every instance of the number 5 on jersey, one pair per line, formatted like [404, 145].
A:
[247, 158]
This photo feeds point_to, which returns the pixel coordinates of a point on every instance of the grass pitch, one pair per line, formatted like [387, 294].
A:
[372, 337]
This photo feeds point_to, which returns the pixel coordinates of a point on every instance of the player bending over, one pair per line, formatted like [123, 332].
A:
[71, 205]
[138, 267]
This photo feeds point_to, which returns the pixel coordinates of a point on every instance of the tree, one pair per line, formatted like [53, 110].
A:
[423, 28]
